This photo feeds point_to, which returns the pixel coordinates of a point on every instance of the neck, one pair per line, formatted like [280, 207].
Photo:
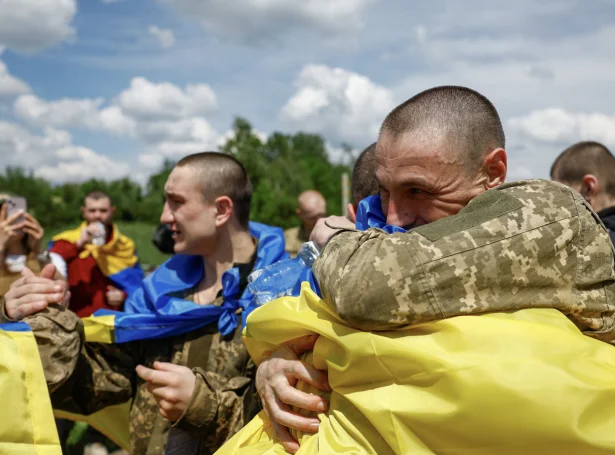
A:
[233, 246]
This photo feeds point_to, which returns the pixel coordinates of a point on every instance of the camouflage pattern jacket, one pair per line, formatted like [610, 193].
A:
[528, 244]
[223, 400]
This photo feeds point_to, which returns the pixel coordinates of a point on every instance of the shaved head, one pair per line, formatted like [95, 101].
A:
[464, 119]
[364, 181]
[312, 200]
[584, 158]
[312, 207]
[221, 174]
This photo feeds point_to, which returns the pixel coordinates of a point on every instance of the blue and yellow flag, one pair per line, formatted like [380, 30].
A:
[525, 382]
[117, 260]
[153, 311]
[522, 382]
[27, 426]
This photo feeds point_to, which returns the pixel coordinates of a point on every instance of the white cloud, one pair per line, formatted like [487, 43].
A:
[149, 100]
[74, 113]
[9, 85]
[161, 116]
[258, 19]
[165, 37]
[32, 25]
[559, 126]
[342, 105]
[53, 156]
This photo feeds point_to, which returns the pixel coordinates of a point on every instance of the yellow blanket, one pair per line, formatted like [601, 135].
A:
[526, 382]
[27, 426]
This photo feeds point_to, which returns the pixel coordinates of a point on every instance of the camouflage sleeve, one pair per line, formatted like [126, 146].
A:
[219, 407]
[59, 337]
[531, 244]
[104, 375]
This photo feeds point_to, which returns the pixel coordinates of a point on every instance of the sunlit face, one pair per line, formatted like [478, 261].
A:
[192, 219]
[420, 180]
[100, 210]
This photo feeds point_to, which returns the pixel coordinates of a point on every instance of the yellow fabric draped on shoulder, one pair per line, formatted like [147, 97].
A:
[525, 382]
[111, 258]
[27, 425]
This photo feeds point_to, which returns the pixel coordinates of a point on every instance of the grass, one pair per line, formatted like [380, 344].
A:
[141, 233]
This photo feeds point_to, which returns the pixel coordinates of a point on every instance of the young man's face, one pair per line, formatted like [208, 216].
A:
[98, 210]
[192, 219]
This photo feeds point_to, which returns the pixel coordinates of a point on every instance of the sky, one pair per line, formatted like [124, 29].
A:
[110, 88]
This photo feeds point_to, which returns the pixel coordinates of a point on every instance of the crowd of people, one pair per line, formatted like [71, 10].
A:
[435, 239]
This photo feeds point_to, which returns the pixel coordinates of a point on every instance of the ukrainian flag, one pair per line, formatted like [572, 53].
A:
[523, 382]
[152, 311]
[117, 259]
[27, 425]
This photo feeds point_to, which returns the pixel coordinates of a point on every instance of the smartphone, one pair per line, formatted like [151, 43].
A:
[15, 204]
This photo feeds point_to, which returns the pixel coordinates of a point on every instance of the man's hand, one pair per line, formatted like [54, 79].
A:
[276, 379]
[322, 232]
[171, 385]
[115, 297]
[8, 226]
[35, 232]
[31, 294]
[87, 234]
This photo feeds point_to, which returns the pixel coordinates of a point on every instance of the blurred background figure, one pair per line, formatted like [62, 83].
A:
[363, 183]
[20, 240]
[312, 207]
[589, 168]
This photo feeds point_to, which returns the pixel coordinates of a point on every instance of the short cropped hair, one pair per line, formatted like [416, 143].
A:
[465, 117]
[97, 195]
[364, 182]
[582, 158]
[223, 175]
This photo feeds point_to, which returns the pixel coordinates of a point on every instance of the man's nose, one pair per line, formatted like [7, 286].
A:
[166, 217]
[400, 214]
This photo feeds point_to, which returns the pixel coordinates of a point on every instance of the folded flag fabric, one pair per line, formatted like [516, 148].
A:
[523, 382]
[155, 311]
[27, 425]
[117, 259]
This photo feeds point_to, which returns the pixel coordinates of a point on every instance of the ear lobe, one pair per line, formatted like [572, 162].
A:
[352, 213]
[496, 167]
[224, 210]
[591, 185]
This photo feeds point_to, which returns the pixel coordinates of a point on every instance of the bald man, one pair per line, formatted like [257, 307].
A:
[312, 207]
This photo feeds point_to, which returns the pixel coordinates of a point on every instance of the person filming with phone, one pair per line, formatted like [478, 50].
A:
[20, 240]
[98, 262]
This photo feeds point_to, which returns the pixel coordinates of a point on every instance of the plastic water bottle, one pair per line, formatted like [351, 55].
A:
[279, 279]
[101, 238]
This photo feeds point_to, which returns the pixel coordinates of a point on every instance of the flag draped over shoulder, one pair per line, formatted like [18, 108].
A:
[155, 310]
[524, 382]
[510, 383]
[116, 260]
[27, 426]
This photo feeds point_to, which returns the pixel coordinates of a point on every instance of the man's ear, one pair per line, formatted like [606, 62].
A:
[590, 186]
[113, 210]
[352, 213]
[495, 166]
[224, 210]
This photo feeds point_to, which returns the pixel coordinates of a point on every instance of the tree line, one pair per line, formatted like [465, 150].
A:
[280, 168]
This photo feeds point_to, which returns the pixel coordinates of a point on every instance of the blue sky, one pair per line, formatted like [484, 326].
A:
[95, 88]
